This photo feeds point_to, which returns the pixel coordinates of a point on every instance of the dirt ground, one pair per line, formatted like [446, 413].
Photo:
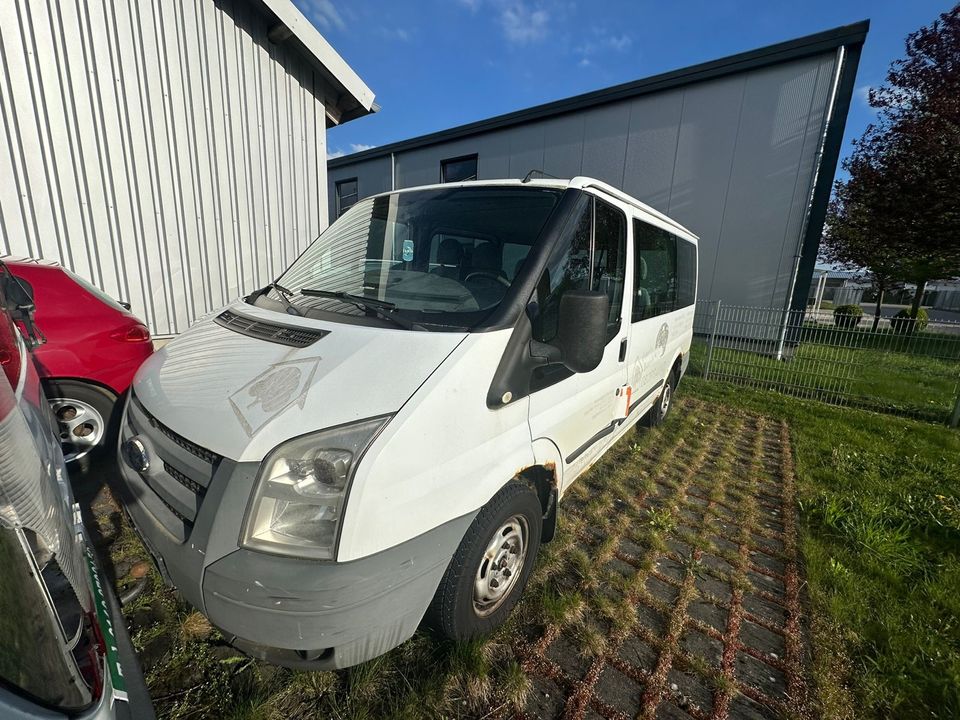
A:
[672, 590]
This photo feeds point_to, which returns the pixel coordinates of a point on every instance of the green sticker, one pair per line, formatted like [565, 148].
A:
[106, 627]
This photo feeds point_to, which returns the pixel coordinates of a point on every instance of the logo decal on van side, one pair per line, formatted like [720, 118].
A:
[273, 391]
[662, 338]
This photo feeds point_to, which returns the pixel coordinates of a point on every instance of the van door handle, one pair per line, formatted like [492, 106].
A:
[623, 350]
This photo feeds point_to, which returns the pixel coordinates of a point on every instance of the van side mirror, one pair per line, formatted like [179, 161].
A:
[581, 332]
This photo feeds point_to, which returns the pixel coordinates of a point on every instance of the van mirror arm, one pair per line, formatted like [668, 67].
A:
[544, 353]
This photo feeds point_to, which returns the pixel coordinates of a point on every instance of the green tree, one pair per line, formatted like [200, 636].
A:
[898, 212]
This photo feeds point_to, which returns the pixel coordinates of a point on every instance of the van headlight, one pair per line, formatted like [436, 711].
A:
[298, 502]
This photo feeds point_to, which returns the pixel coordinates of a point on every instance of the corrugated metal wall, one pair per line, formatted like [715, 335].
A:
[731, 158]
[166, 151]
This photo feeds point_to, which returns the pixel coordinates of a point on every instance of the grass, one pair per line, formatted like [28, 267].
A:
[923, 386]
[880, 535]
[880, 511]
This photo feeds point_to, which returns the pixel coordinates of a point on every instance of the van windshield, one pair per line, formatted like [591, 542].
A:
[432, 259]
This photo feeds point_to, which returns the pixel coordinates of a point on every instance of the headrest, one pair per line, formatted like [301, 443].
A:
[450, 252]
[642, 269]
[486, 256]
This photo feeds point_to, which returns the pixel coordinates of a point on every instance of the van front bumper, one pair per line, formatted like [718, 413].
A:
[326, 615]
[295, 612]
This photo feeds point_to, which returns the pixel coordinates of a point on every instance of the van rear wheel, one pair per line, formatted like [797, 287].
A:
[490, 568]
[658, 413]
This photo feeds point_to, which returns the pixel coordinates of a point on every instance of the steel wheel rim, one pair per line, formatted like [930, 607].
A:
[501, 566]
[80, 426]
[665, 399]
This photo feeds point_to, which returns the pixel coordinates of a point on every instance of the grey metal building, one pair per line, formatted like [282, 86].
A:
[741, 150]
[173, 153]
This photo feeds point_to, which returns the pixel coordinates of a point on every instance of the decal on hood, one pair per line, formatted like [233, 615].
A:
[273, 391]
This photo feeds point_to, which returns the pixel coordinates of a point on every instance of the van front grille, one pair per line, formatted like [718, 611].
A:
[271, 332]
[179, 472]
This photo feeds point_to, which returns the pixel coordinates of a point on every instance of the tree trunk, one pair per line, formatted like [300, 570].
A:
[915, 307]
[918, 298]
[876, 314]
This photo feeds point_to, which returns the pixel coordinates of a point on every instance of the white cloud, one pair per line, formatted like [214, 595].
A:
[585, 62]
[472, 4]
[331, 154]
[323, 13]
[360, 147]
[399, 33]
[619, 42]
[863, 94]
[522, 24]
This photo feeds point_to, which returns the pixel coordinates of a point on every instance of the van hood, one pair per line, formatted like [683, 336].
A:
[241, 396]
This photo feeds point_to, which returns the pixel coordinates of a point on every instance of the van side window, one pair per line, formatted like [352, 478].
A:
[567, 269]
[654, 272]
[610, 260]
[686, 273]
[579, 264]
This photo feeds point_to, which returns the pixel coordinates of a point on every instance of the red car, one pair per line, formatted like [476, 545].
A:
[94, 346]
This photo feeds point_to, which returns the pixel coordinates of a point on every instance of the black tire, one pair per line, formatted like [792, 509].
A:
[658, 413]
[454, 612]
[106, 416]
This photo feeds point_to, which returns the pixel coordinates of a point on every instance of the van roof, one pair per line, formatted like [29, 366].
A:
[577, 183]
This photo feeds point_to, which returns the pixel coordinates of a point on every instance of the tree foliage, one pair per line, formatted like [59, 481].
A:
[898, 212]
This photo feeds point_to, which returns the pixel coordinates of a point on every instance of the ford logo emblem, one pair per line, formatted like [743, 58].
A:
[135, 454]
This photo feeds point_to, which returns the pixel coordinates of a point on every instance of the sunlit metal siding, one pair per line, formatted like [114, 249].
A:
[167, 151]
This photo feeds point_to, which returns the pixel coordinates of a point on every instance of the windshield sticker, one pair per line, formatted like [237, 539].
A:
[273, 391]
[407, 250]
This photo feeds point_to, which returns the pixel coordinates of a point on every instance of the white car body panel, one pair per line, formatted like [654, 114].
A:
[444, 454]
[240, 396]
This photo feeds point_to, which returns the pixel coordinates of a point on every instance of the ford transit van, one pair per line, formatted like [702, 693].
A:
[384, 433]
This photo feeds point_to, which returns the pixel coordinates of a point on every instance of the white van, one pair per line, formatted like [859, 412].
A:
[384, 433]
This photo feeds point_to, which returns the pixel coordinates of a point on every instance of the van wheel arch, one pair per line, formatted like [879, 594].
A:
[543, 480]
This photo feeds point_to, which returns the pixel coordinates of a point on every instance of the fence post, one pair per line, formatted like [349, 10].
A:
[713, 335]
[955, 418]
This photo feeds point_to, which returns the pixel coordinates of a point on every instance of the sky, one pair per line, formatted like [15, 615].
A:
[435, 64]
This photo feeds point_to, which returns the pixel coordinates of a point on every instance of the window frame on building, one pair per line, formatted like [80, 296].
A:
[341, 209]
[460, 159]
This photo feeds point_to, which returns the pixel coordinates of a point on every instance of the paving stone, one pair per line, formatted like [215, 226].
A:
[723, 544]
[760, 638]
[639, 653]
[768, 610]
[763, 677]
[769, 545]
[631, 548]
[652, 619]
[743, 708]
[702, 646]
[766, 583]
[662, 591]
[619, 690]
[767, 562]
[689, 689]
[620, 567]
[708, 613]
[566, 652]
[545, 699]
[717, 564]
[707, 585]
[680, 548]
[668, 711]
[670, 568]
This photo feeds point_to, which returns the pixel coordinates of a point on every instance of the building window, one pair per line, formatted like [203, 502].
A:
[458, 169]
[347, 195]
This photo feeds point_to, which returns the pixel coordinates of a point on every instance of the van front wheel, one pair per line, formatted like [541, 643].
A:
[491, 566]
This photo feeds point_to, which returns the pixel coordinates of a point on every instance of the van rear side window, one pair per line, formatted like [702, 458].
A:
[665, 272]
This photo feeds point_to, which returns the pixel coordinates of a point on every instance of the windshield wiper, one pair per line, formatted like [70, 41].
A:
[381, 308]
[286, 296]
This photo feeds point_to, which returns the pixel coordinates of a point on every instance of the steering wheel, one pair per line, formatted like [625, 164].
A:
[493, 276]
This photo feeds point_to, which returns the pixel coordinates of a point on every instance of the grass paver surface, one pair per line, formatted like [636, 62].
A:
[672, 589]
